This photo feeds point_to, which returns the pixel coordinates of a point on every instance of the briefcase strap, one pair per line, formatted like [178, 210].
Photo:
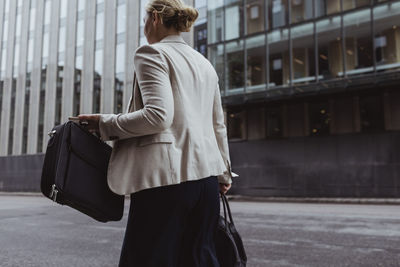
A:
[227, 209]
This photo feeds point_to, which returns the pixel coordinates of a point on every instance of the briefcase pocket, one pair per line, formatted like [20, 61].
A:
[166, 138]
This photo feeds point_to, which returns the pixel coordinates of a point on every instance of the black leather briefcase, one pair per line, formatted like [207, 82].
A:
[75, 173]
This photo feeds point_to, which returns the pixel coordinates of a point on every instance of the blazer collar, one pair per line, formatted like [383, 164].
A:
[173, 39]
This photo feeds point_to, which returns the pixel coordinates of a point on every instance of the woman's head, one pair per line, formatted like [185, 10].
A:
[168, 16]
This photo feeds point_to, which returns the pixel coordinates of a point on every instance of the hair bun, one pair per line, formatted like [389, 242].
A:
[186, 17]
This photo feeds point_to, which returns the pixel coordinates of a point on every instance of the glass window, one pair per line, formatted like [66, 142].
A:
[303, 53]
[215, 20]
[7, 8]
[279, 67]
[301, 10]
[32, 19]
[47, 12]
[319, 118]
[63, 8]
[255, 16]
[18, 26]
[350, 4]
[274, 122]
[256, 58]
[387, 36]
[81, 5]
[217, 60]
[358, 42]
[62, 39]
[330, 59]
[277, 10]
[45, 52]
[121, 19]
[119, 77]
[320, 8]
[5, 31]
[99, 26]
[332, 6]
[235, 67]
[98, 68]
[233, 20]
[80, 33]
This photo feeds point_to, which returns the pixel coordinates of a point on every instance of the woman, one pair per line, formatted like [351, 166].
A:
[171, 148]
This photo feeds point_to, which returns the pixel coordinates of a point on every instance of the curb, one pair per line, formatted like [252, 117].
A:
[369, 201]
[240, 198]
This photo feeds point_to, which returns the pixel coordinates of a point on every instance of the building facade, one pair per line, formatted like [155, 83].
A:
[311, 90]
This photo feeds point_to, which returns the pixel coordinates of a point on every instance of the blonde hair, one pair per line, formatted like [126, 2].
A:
[174, 13]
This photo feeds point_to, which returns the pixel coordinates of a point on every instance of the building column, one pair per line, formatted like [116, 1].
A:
[33, 123]
[51, 73]
[132, 42]
[86, 102]
[21, 82]
[108, 79]
[7, 87]
[69, 67]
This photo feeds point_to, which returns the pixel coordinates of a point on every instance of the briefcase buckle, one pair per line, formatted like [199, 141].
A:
[52, 133]
[53, 193]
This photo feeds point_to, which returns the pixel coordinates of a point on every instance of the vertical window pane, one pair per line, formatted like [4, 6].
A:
[387, 36]
[233, 20]
[303, 53]
[330, 59]
[217, 60]
[119, 77]
[45, 52]
[63, 8]
[355, 3]
[98, 67]
[358, 42]
[121, 19]
[301, 10]
[332, 6]
[215, 20]
[80, 33]
[47, 15]
[320, 8]
[255, 16]
[279, 72]
[235, 67]
[237, 125]
[32, 19]
[277, 13]
[99, 26]
[256, 68]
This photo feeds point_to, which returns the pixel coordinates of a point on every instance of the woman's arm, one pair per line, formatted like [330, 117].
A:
[155, 87]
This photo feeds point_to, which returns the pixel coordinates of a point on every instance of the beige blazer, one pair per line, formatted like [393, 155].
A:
[174, 128]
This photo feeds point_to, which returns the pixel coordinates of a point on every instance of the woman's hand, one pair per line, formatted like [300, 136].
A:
[92, 120]
[223, 188]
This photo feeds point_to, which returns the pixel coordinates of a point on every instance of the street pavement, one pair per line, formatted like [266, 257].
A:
[36, 232]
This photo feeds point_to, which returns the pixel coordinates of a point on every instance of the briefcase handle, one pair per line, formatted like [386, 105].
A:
[227, 209]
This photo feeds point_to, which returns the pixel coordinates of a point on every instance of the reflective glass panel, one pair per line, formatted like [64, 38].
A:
[256, 58]
[301, 10]
[235, 67]
[233, 20]
[358, 42]
[216, 56]
[255, 16]
[387, 36]
[303, 53]
[350, 4]
[279, 67]
[277, 10]
[330, 59]
[215, 20]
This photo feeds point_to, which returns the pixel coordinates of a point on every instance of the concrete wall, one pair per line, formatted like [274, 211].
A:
[364, 165]
[355, 165]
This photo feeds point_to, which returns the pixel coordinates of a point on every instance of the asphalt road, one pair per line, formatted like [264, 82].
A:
[36, 232]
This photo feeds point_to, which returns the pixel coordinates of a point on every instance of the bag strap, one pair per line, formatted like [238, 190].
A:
[227, 209]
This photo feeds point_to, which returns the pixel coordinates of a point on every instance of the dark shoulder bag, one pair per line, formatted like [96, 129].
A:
[228, 243]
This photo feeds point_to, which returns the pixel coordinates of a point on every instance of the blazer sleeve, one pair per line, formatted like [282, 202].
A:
[222, 138]
[158, 108]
